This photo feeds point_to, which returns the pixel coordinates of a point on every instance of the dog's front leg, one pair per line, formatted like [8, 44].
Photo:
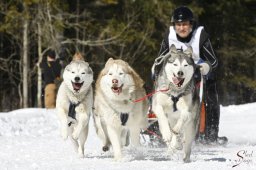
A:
[163, 124]
[63, 122]
[185, 114]
[115, 139]
[184, 117]
[80, 125]
[82, 120]
[176, 142]
[190, 133]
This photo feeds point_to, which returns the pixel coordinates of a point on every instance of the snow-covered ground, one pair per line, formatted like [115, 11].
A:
[30, 139]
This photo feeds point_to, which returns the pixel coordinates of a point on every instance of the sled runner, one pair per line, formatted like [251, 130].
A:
[152, 136]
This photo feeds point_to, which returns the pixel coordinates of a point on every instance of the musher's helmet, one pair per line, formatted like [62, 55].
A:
[181, 14]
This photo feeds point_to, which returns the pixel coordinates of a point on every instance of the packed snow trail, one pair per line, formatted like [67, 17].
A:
[30, 139]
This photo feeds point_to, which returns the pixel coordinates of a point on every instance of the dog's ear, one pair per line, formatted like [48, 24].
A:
[137, 79]
[173, 49]
[90, 70]
[189, 51]
[106, 67]
[67, 67]
[110, 60]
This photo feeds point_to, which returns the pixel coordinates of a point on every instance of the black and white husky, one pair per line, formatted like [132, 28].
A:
[177, 105]
[74, 103]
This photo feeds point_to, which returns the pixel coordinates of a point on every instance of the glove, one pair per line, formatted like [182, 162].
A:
[204, 68]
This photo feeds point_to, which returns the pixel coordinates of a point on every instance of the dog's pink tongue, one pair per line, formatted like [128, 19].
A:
[77, 86]
[175, 80]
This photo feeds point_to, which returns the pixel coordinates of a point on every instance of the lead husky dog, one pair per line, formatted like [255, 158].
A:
[74, 103]
[177, 106]
[116, 116]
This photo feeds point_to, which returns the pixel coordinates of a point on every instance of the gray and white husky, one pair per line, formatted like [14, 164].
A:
[177, 105]
[74, 103]
[117, 118]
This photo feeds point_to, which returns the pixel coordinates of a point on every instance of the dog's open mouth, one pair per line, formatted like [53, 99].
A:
[116, 89]
[178, 81]
[77, 86]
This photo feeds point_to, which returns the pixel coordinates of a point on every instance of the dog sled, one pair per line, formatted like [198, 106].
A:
[152, 136]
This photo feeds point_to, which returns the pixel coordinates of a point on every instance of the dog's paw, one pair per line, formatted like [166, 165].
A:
[75, 134]
[64, 133]
[167, 136]
[80, 153]
[186, 159]
[171, 151]
[118, 158]
[168, 144]
[105, 148]
[176, 143]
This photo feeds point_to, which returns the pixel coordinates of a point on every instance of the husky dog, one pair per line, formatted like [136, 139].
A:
[74, 103]
[116, 116]
[177, 105]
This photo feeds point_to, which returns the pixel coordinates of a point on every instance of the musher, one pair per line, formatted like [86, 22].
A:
[182, 33]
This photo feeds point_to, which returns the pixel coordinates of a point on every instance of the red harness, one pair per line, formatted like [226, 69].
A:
[156, 91]
[148, 95]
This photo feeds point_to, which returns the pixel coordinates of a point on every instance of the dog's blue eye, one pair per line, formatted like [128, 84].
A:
[121, 73]
[185, 65]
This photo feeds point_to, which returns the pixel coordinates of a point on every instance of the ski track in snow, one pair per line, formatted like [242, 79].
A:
[30, 139]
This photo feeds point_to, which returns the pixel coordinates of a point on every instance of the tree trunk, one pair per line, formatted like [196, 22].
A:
[77, 19]
[39, 70]
[25, 64]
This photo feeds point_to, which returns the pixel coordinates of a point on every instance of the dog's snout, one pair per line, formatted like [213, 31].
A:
[180, 73]
[114, 81]
[77, 79]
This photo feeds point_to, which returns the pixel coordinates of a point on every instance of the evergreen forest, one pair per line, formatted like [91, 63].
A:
[131, 30]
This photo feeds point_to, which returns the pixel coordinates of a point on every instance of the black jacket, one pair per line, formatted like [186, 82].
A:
[51, 70]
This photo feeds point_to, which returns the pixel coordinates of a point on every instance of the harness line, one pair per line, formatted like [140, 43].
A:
[150, 94]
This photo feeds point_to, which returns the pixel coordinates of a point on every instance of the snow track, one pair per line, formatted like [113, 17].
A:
[30, 139]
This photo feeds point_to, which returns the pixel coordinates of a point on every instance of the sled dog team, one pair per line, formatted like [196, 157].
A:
[118, 118]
